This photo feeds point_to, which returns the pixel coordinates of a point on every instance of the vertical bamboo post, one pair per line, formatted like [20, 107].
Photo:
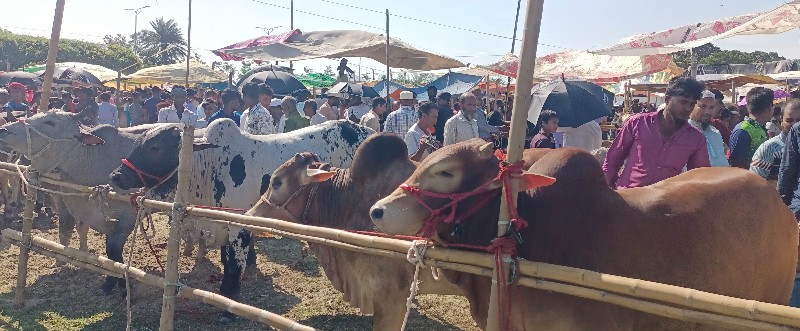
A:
[24, 250]
[173, 243]
[516, 139]
[50, 67]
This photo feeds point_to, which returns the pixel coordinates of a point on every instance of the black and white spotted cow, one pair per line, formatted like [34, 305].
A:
[231, 170]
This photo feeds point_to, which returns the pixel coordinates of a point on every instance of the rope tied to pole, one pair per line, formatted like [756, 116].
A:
[416, 256]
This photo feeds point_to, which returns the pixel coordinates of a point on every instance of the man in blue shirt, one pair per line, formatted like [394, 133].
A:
[151, 105]
[231, 102]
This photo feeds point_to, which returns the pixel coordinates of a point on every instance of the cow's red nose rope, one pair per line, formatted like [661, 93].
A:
[142, 174]
[500, 246]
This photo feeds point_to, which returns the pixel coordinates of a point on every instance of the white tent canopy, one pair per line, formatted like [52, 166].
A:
[176, 74]
[779, 20]
[347, 43]
[789, 75]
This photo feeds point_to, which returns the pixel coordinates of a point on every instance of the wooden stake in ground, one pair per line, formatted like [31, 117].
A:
[174, 240]
[50, 68]
[24, 251]
[516, 138]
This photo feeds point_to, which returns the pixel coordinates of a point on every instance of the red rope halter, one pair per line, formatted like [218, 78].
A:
[142, 174]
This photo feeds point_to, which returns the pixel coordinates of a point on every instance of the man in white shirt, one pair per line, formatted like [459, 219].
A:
[256, 119]
[107, 113]
[588, 136]
[700, 118]
[417, 149]
[357, 109]
[372, 119]
[401, 120]
[177, 113]
[463, 126]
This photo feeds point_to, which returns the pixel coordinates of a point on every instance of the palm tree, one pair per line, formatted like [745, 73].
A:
[164, 44]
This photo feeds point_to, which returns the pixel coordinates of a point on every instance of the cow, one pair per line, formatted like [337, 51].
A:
[717, 230]
[59, 147]
[232, 170]
[341, 199]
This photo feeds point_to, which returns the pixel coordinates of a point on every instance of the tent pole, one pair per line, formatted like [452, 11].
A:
[513, 43]
[516, 140]
[50, 68]
[693, 63]
[188, 44]
[388, 73]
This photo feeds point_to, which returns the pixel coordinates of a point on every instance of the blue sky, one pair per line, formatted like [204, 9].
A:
[567, 24]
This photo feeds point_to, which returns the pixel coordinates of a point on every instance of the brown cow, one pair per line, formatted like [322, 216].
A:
[717, 230]
[376, 285]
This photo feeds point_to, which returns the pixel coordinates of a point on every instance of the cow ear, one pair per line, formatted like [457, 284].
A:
[531, 180]
[319, 175]
[486, 151]
[90, 139]
[201, 146]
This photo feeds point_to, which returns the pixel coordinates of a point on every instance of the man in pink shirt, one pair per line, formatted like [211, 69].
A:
[658, 145]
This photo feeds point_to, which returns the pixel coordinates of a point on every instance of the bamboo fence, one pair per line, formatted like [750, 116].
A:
[659, 299]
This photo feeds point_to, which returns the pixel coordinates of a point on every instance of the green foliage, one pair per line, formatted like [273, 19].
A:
[710, 54]
[162, 45]
[246, 67]
[328, 71]
[22, 50]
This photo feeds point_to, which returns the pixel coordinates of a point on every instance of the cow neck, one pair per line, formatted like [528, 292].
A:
[337, 200]
[73, 164]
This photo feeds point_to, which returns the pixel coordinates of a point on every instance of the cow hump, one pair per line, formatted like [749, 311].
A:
[222, 132]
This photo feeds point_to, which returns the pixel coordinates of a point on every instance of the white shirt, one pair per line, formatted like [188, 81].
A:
[371, 120]
[243, 119]
[588, 136]
[357, 111]
[714, 144]
[459, 129]
[107, 114]
[318, 119]
[170, 115]
[259, 121]
[282, 124]
[412, 139]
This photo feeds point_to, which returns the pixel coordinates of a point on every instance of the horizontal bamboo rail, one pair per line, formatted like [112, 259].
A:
[394, 248]
[115, 268]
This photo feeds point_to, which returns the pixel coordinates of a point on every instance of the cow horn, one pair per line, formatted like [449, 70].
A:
[486, 151]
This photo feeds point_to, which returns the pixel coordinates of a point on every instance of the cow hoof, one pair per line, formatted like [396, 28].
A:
[249, 271]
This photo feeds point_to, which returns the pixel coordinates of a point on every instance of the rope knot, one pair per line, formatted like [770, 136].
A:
[519, 223]
[502, 246]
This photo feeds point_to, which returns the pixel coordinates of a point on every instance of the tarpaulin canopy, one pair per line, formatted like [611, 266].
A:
[740, 80]
[789, 75]
[779, 20]
[260, 41]
[102, 73]
[176, 74]
[346, 43]
[584, 65]
[381, 87]
[317, 80]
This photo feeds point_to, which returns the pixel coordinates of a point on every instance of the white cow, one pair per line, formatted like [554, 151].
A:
[232, 170]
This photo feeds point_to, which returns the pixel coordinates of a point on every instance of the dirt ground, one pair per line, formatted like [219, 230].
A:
[66, 298]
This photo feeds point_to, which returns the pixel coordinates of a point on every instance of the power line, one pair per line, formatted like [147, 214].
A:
[436, 23]
[318, 15]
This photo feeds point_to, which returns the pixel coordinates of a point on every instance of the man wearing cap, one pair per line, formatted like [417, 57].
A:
[400, 121]
[445, 113]
[357, 109]
[751, 133]
[701, 119]
[177, 112]
[17, 93]
[432, 90]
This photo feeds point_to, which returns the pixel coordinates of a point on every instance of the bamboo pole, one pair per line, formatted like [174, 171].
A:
[24, 252]
[516, 141]
[50, 67]
[694, 299]
[67, 259]
[213, 299]
[173, 243]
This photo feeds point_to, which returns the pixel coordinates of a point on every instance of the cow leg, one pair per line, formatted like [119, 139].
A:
[388, 314]
[114, 246]
[66, 224]
[234, 258]
[202, 248]
[250, 269]
[83, 236]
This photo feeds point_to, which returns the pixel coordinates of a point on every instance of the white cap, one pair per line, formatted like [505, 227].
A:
[708, 94]
[275, 102]
[406, 95]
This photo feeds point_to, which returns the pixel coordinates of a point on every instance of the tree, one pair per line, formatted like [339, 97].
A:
[116, 40]
[164, 44]
[246, 67]
[22, 50]
[683, 59]
[308, 70]
[328, 71]
[710, 54]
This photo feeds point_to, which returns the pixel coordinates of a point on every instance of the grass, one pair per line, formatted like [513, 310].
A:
[65, 298]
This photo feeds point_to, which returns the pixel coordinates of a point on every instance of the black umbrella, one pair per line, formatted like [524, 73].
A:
[70, 75]
[282, 83]
[354, 88]
[577, 102]
[268, 67]
[22, 77]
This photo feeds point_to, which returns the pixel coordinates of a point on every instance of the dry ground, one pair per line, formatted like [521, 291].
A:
[65, 298]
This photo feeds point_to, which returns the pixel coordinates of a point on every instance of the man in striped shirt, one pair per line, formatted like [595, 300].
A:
[401, 120]
[767, 158]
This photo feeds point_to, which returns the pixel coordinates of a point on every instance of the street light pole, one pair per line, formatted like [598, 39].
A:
[136, 24]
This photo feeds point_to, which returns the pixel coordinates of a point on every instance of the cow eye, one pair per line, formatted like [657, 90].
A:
[276, 184]
[445, 173]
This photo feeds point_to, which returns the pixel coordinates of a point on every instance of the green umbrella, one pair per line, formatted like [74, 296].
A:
[317, 80]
